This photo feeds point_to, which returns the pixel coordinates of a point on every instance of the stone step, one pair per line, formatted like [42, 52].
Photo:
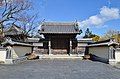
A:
[61, 56]
[8, 61]
[15, 61]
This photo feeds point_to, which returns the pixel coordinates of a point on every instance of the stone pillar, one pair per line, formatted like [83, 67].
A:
[70, 52]
[111, 52]
[112, 60]
[49, 47]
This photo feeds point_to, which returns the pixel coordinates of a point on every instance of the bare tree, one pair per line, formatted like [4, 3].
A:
[15, 11]
[28, 24]
[111, 34]
[11, 10]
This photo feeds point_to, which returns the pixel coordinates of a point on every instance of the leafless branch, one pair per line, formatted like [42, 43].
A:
[12, 9]
[16, 11]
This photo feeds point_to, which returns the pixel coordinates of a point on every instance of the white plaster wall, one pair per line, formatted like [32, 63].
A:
[38, 44]
[82, 44]
[3, 55]
[101, 51]
[14, 55]
[22, 50]
[117, 55]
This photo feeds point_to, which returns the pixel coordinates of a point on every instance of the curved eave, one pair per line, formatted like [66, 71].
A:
[60, 33]
[102, 44]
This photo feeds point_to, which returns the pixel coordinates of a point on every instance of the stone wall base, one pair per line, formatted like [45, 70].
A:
[112, 62]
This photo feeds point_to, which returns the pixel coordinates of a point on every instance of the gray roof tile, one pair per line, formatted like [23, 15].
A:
[14, 30]
[55, 27]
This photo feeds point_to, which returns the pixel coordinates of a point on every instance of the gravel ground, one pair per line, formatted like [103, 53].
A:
[59, 69]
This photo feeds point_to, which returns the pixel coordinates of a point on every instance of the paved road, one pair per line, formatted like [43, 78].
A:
[59, 69]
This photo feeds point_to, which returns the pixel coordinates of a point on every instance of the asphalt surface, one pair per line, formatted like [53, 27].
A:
[59, 69]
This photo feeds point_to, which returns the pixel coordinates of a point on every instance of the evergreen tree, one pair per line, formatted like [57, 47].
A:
[88, 34]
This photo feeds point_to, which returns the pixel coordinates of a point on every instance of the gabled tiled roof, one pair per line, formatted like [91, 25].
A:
[13, 43]
[108, 42]
[14, 30]
[59, 28]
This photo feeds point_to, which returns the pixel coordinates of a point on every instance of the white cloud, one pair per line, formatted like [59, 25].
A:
[106, 14]
[110, 12]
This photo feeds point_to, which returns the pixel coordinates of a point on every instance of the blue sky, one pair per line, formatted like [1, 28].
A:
[80, 10]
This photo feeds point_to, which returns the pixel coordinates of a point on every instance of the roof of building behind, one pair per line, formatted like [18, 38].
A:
[108, 42]
[59, 28]
[14, 30]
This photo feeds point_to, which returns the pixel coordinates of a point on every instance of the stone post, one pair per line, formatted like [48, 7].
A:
[49, 47]
[112, 60]
[111, 52]
[70, 52]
